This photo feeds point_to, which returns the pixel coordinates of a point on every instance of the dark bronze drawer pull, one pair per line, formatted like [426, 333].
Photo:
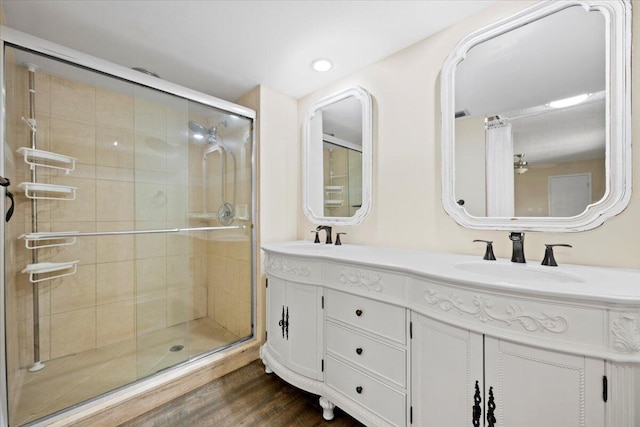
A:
[359, 390]
[359, 350]
[358, 312]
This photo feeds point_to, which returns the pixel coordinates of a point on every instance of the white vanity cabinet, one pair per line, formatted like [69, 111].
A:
[295, 326]
[401, 338]
[466, 378]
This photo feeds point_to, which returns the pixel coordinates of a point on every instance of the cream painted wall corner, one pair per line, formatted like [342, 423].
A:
[407, 210]
[278, 169]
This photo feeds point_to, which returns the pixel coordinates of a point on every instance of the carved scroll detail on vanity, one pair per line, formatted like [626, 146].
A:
[482, 310]
[361, 279]
[284, 266]
[626, 334]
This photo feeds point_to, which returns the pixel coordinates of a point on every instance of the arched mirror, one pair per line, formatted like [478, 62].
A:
[337, 158]
[536, 119]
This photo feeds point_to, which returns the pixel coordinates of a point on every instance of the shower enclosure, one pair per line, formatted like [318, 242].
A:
[130, 248]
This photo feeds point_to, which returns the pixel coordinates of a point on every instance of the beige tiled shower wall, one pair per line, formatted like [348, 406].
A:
[229, 252]
[124, 285]
[229, 295]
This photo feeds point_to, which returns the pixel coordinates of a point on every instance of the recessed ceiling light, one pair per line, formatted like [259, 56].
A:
[568, 102]
[322, 65]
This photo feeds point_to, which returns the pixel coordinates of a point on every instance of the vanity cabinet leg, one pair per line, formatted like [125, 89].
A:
[327, 408]
[267, 369]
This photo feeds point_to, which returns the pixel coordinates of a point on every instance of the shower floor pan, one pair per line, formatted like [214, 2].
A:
[72, 379]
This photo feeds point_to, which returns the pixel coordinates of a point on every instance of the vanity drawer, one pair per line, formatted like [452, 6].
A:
[387, 361]
[388, 403]
[383, 319]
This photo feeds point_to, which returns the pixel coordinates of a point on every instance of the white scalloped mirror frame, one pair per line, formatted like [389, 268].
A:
[312, 173]
[617, 14]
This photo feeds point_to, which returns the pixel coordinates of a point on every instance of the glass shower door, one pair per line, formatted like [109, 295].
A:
[164, 285]
[149, 234]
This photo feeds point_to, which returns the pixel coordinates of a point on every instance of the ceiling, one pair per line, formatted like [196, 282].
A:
[225, 48]
[558, 56]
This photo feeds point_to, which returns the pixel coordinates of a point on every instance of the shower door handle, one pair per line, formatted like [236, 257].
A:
[4, 182]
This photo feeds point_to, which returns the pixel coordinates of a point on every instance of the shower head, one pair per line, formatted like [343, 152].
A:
[198, 130]
[197, 127]
[209, 135]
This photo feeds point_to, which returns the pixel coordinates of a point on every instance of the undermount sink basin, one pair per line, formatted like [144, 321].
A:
[515, 273]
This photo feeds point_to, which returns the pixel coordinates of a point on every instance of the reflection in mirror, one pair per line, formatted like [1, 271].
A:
[342, 172]
[529, 134]
[337, 134]
[537, 158]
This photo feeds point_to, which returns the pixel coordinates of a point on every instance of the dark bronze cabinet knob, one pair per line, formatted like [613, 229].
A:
[359, 390]
[359, 350]
[358, 312]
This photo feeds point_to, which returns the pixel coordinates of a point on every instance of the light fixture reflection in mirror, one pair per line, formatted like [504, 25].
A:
[543, 86]
[337, 158]
[520, 165]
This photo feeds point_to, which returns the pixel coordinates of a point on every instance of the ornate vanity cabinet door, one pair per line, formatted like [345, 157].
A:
[276, 306]
[304, 328]
[446, 366]
[461, 377]
[534, 387]
[294, 317]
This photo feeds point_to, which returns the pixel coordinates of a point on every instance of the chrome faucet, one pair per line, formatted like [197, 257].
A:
[518, 247]
[327, 229]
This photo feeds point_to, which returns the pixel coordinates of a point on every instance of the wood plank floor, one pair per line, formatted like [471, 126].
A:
[246, 397]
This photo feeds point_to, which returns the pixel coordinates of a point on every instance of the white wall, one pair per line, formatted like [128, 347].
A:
[407, 211]
[278, 157]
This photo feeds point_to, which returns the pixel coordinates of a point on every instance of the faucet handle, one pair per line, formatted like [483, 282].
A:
[338, 242]
[317, 239]
[549, 259]
[516, 236]
[488, 255]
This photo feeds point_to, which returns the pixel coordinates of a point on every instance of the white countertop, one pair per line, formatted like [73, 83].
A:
[577, 282]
